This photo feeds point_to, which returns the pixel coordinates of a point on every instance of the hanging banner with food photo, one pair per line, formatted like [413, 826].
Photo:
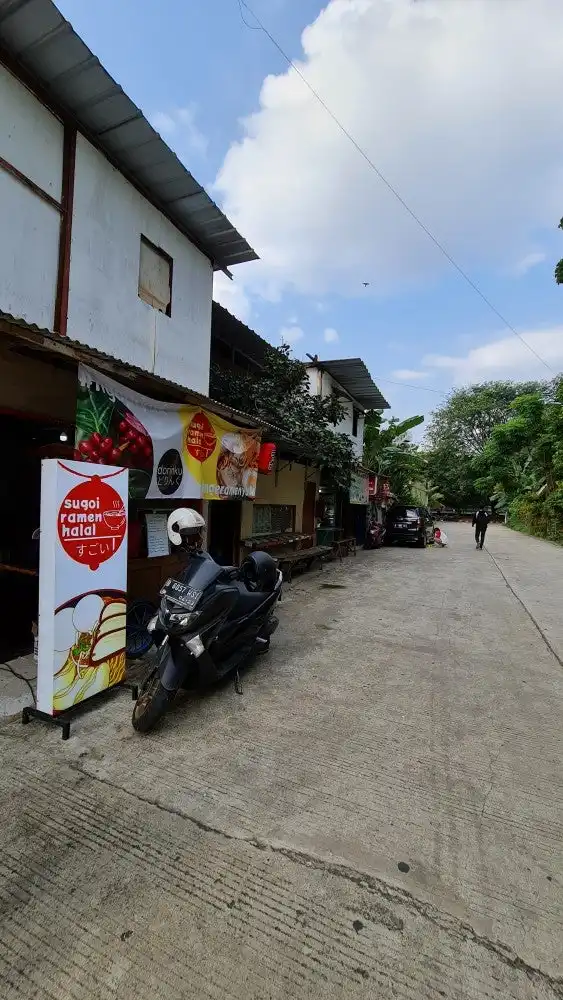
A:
[172, 451]
[82, 582]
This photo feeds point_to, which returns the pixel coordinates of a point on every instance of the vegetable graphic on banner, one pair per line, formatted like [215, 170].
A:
[82, 582]
[171, 450]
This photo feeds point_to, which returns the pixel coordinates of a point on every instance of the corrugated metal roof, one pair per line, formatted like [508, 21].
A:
[355, 379]
[240, 336]
[37, 339]
[37, 36]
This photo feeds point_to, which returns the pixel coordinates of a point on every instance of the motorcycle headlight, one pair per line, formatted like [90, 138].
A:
[181, 619]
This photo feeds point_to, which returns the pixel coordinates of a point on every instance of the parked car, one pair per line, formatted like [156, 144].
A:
[409, 524]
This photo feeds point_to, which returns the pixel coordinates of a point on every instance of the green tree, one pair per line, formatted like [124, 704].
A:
[521, 465]
[559, 266]
[465, 421]
[280, 395]
[388, 452]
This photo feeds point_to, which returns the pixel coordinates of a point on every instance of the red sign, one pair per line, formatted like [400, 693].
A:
[372, 486]
[91, 522]
[201, 440]
[267, 458]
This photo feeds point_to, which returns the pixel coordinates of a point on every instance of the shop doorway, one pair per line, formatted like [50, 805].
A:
[309, 509]
[223, 531]
[25, 442]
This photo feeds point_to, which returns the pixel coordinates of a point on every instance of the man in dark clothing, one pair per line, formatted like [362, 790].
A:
[480, 522]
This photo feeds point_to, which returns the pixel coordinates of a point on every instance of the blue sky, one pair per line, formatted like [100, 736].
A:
[454, 103]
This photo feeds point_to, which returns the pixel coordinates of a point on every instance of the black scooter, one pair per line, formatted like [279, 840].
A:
[212, 619]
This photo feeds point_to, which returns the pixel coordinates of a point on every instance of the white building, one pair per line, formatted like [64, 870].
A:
[106, 237]
[355, 388]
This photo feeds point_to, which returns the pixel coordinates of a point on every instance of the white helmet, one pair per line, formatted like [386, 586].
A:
[182, 523]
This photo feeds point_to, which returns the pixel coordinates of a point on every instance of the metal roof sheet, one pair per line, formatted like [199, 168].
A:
[37, 36]
[355, 379]
[227, 327]
[39, 338]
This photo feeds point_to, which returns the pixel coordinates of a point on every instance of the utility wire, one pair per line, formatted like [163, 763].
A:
[253, 27]
[408, 385]
[388, 185]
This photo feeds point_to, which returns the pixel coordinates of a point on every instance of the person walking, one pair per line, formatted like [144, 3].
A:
[480, 522]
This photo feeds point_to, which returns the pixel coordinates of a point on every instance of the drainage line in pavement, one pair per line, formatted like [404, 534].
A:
[526, 609]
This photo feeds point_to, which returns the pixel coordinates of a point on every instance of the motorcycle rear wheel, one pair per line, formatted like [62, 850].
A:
[151, 705]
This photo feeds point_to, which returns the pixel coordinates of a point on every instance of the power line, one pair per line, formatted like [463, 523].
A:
[253, 27]
[388, 185]
[408, 385]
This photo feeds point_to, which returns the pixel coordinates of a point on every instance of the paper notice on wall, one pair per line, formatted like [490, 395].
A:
[157, 535]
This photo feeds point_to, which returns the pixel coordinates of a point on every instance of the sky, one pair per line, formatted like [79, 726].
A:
[454, 103]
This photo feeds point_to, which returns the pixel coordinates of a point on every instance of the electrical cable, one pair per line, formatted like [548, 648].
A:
[408, 385]
[389, 186]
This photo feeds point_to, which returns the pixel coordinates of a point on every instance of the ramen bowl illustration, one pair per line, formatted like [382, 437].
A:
[90, 639]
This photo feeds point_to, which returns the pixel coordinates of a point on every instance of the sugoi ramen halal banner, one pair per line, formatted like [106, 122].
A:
[82, 582]
[171, 450]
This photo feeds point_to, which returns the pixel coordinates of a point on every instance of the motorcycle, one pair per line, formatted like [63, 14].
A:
[375, 536]
[212, 619]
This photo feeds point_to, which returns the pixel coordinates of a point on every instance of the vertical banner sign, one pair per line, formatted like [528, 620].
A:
[172, 450]
[82, 582]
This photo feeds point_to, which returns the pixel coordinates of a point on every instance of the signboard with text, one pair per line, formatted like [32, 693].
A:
[173, 451]
[359, 489]
[82, 582]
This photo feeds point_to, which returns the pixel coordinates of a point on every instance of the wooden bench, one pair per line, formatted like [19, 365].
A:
[302, 559]
[344, 547]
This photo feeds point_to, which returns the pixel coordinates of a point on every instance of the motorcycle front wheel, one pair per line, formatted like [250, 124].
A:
[151, 705]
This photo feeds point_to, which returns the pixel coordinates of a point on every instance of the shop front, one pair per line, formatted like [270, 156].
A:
[282, 515]
[177, 453]
[356, 508]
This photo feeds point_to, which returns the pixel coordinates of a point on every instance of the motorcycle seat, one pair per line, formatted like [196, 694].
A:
[247, 600]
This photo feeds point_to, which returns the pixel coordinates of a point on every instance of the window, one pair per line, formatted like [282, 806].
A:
[355, 418]
[155, 277]
[270, 519]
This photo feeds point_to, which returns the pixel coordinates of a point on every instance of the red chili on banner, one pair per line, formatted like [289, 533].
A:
[91, 522]
[267, 458]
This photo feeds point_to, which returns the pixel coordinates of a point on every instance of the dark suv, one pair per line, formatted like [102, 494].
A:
[409, 524]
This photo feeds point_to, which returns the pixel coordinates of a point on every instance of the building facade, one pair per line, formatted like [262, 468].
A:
[106, 237]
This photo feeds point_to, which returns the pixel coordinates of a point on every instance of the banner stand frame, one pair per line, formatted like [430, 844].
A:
[64, 719]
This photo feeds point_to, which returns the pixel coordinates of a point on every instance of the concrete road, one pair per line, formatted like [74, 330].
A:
[379, 815]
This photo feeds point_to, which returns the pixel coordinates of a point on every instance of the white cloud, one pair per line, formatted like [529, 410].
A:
[178, 128]
[505, 357]
[331, 335]
[455, 103]
[527, 262]
[291, 334]
[232, 296]
[408, 375]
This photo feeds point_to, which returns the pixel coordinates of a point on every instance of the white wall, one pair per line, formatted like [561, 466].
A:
[322, 382]
[31, 139]
[105, 310]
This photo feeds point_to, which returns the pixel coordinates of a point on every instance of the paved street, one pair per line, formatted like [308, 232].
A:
[257, 846]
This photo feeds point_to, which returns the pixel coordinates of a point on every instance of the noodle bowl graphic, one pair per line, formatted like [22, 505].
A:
[90, 637]
[114, 519]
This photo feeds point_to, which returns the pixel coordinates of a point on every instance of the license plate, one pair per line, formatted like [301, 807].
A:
[181, 594]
